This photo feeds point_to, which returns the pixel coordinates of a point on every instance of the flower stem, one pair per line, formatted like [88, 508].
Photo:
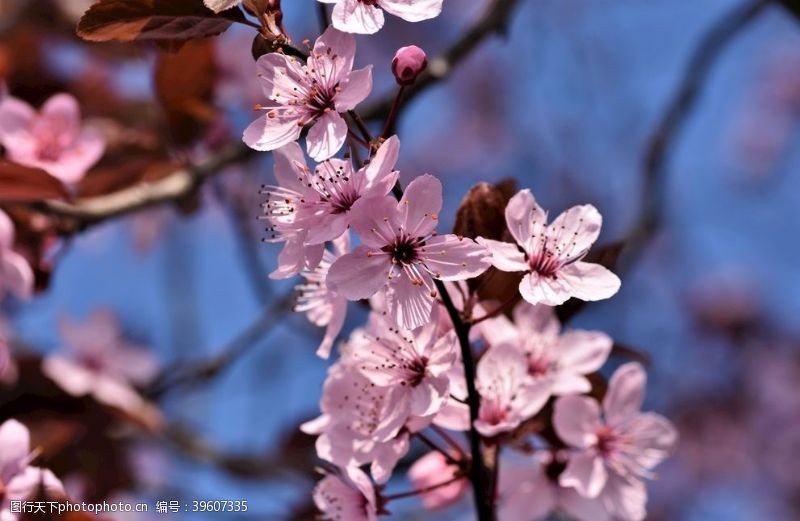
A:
[479, 477]
[389, 125]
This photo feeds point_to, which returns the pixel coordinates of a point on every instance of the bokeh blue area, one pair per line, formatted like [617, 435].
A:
[564, 104]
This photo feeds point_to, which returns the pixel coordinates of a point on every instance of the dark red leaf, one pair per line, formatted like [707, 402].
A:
[24, 184]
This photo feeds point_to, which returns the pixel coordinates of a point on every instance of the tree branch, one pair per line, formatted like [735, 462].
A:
[676, 115]
[494, 20]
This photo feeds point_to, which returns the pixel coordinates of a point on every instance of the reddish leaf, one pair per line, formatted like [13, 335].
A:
[184, 84]
[162, 21]
[125, 173]
[22, 183]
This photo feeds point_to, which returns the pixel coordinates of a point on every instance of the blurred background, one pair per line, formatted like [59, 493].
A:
[566, 103]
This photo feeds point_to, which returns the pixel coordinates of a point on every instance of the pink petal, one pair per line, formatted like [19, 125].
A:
[565, 383]
[655, 438]
[625, 499]
[531, 398]
[354, 90]
[525, 493]
[358, 275]
[410, 305]
[342, 52]
[581, 508]
[6, 231]
[297, 256]
[16, 119]
[326, 136]
[538, 320]
[82, 156]
[522, 212]
[576, 420]
[583, 352]
[413, 10]
[282, 75]
[375, 220]
[386, 457]
[290, 167]
[450, 257]
[505, 255]
[266, 133]
[332, 227]
[625, 394]
[420, 205]
[380, 173]
[71, 377]
[354, 16]
[544, 290]
[582, 223]
[334, 327]
[16, 274]
[428, 397]
[586, 473]
[588, 281]
[14, 449]
[117, 394]
[62, 112]
[433, 469]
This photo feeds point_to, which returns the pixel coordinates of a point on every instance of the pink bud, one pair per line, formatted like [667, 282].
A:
[408, 63]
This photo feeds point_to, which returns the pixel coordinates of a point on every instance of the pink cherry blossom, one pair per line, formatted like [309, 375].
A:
[401, 252]
[508, 397]
[52, 139]
[19, 481]
[16, 275]
[100, 362]
[408, 63]
[346, 496]
[322, 306]
[614, 448]
[307, 209]
[314, 93]
[431, 470]
[360, 423]
[415, 361]
[561, 360]
[221, 5]
[366, 16]
[551, 254]
[528, 493]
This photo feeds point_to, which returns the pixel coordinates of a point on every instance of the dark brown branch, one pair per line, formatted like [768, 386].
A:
[677, 114]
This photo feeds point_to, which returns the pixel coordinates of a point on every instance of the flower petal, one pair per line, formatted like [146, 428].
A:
[450, 257]
[579, 227]
[576, 420]
[588, 281]
[420, 205]
[586, 473]
[334, 327]
[505, 255]
[625, 393]
[358, 275]
[15, 444]
[544, 290]
[410, 304]
[583, 352]
[334, 52]
[412, 10]
[326, 136]
[354, 16]
[524, 217]
[354, 90]
[267, 133]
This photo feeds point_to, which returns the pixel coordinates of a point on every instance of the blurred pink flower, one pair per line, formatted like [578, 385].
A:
[16, 275]
[347, 496]
[413, 362]
[615, 450]
[551, 254]
[401, 251]
[431, 470]
[19, 481]
[52, 139]
[314, 93]
[360, 423]
[322, 306]
[561, 360]
[366, 16]
[508, 396]
[101, 363]
[527, 492]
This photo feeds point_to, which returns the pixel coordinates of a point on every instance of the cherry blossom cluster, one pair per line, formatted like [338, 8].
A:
[352, 233]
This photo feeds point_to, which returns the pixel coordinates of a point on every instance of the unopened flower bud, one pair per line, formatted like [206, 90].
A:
[408, 63]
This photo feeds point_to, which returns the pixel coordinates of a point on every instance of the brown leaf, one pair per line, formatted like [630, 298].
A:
[184, 83]
[24, 184]
[164, 21]
[482, 213]
[123, 174]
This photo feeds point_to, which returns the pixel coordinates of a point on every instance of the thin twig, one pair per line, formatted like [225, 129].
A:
[675, 117]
